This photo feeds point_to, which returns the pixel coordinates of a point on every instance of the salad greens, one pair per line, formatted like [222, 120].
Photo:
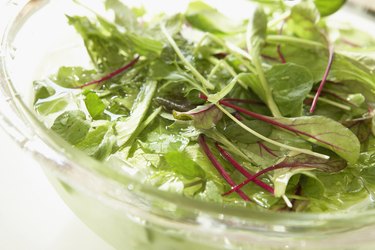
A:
[273, 111]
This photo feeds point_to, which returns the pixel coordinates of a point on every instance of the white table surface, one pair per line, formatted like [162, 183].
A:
[32, 215]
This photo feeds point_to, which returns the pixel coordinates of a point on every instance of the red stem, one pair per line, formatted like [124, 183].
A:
[268, 150]
[266, 170]
[242, 170]
[219, 167]
[279, 52]
[324, 79]
[112, 74]
[248, 101]
[268, 120]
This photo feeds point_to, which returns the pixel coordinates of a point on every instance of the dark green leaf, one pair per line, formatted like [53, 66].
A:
[290, 84]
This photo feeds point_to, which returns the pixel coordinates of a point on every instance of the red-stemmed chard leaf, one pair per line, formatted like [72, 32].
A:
[112, 74]
[242, 170]
[319, 130]
[203, 117]
[324, 79]
[219, 167]
[299, 161]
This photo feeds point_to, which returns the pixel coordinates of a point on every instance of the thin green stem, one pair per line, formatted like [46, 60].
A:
[255, 52]
[260, 136]
[194, 71]
[227, 67]
[276, 39]
[333, 103]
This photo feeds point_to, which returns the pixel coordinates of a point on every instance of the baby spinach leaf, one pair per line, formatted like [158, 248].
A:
[204, 17]
[328, 134]
[94, 105]
[72, 126]
[203, 117]
[290, 84]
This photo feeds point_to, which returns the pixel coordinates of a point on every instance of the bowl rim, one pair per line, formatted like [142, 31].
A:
[20, 10]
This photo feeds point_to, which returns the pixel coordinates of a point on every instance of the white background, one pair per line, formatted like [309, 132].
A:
[32, 215]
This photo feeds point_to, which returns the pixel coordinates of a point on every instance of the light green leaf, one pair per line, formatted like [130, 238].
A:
[71, 126]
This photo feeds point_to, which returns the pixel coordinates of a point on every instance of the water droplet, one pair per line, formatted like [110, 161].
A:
[130, 187]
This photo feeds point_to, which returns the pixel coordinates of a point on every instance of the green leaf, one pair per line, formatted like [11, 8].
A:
[42, 90]
[71, 126]
[51, 105]
[258, 30]
[183, 165]
[128, 126]
[124, 16]
[99, 142]
[203, 117]
[290, 84]
[332, 135]
[94, 105]
[327, 8]
[303, 21]
[163, 141]
[73, 77]
[106, 48]
[204, 17]
[238, 134]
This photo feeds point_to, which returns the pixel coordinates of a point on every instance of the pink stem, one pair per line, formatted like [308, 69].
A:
[324, 79]
[249, 101]
[219, 167]
[279, 52]
[266, 170]
[112, 74]
[242, 170]
[268, 150]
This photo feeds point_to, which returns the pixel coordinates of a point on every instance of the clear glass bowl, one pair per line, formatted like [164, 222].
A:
[35, 40]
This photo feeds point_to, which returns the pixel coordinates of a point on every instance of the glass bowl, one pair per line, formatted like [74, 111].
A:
[35, 40]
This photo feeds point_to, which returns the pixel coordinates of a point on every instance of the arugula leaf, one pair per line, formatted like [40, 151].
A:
[94, 105]
[204, 17]
[290, 84]
[255, 40]
[124, 16]
[128, 126]
[72, 126]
